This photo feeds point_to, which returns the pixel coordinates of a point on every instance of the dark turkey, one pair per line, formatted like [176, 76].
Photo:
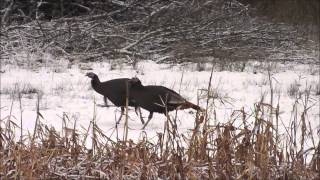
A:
[115, 90]
[157, 99]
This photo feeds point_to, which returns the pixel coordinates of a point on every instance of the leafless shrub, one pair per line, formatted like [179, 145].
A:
[200, 66]
[61, 87]
[294, 90]
[316, 88]
[314, 69]
[20, 88]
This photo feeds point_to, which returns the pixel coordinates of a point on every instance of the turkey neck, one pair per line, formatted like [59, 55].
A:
[96, 85]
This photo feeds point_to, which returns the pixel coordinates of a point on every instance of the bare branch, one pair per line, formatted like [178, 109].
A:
[6, 15]
[141, 39]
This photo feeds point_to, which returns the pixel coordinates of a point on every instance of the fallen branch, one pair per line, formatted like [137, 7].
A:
[6, 15]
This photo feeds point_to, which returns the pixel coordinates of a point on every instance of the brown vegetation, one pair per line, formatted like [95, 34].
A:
[237, 149]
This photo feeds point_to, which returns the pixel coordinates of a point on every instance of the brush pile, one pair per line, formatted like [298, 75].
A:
[165, 31]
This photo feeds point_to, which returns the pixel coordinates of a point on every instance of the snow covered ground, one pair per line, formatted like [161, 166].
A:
[68, 91]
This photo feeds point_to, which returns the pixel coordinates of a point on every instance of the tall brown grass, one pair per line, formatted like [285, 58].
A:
[233, 150]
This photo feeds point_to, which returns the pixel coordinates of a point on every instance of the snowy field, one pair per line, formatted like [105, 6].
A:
[66, 90]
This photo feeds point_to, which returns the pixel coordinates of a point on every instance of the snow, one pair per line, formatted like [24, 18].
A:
[68, 91]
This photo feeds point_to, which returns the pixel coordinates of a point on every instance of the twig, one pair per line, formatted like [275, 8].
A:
[5, 17]
[208, 95]
[140, 39]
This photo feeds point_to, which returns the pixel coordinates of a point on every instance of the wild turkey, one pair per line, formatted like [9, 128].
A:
[157, 99]
[115, 90]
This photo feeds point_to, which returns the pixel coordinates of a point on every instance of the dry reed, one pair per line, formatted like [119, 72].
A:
[210, 151]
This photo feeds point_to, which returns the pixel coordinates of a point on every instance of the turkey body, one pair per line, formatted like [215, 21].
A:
[116, 90]
[157, 98]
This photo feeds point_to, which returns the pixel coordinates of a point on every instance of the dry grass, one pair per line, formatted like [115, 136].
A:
[210, 151]
[19, 88]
